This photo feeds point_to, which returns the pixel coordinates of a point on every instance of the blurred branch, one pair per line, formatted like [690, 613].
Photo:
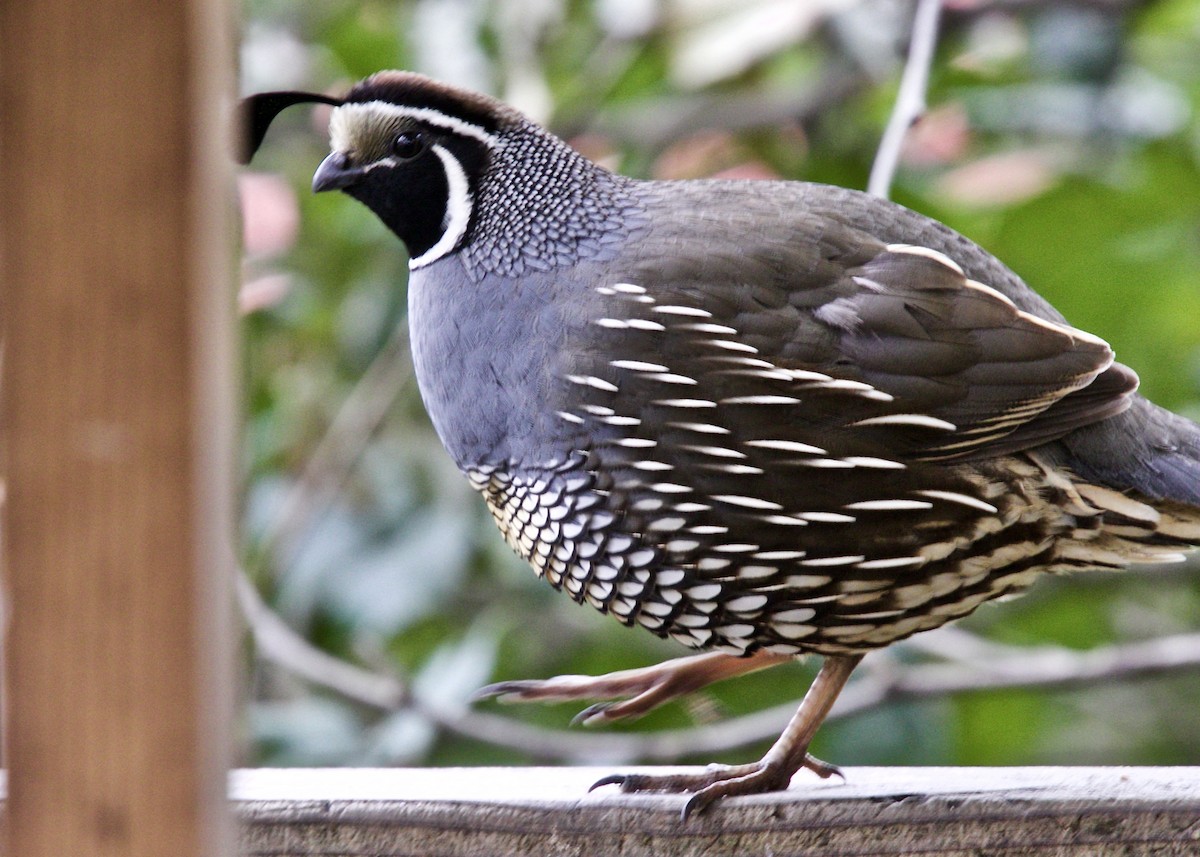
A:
[910, 102]
[978, 665]
[976, 6]
[658, 122]
[342, 445]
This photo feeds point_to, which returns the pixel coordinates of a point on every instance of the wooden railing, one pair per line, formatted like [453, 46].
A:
[529, 812]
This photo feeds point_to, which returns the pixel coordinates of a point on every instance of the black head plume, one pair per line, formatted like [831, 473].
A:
[257, 112]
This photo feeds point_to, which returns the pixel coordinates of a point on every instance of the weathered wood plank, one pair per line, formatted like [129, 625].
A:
[547, 811]
[114, 189]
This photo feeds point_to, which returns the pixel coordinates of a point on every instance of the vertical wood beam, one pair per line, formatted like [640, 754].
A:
[116, 402]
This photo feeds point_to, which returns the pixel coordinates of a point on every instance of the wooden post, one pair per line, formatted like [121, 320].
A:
[116, 311]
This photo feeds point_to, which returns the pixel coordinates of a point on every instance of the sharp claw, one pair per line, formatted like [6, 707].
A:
[591, 715]
[610, 780]
[696, 804]
[490, 691]
[824, 770]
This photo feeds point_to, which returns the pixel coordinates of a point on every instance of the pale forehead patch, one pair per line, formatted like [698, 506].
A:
[353, 123]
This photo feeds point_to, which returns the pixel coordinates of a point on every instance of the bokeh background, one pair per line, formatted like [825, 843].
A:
[1064, 137]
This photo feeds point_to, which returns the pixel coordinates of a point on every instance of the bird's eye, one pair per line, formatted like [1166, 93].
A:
[407, 145]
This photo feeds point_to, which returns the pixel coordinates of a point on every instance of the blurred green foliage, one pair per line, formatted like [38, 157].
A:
[1065, 138]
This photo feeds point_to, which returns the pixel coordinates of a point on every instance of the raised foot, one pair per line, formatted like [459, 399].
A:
[630, 693]
[719, 781]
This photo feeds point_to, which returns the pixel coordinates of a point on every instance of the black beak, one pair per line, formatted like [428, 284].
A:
[335, 173]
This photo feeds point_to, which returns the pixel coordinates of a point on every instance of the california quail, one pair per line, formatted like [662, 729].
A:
[765, 419]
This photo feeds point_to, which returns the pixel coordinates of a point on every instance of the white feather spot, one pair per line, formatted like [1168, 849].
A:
[892, 562]
[672, 378]
[701, 428]
[963, 499]
[809, 581]
[666, 525]
[880, 463]
[704, 591]
[671, 309]
[761, 400]
[747, 502]
[928, 253]
[775, 556]
[746, 603]
[644, 324]
[889, 505]
[818, 562]
[638, 365]
[637, 443]
[716, 451]
[787, 446]
[919, 420]
[684, 403]
[827, 517]
[732, 345]
[707, 327]
[756, 572]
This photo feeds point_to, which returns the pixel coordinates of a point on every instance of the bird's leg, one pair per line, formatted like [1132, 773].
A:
[771, 773]
[635, 691]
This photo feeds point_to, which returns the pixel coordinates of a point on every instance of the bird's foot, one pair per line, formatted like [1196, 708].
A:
[719, 781]
[630, 693]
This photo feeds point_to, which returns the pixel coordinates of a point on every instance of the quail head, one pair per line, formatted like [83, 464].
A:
[764, 419]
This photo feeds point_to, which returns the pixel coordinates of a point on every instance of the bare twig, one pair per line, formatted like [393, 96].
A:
[343, 443]
[910, 102]
[279, 644]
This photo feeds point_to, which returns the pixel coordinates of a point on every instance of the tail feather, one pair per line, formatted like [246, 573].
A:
[1147, 451]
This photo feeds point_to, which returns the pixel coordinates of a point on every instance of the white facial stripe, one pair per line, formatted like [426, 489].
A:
[357, 115]
[458, 210]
